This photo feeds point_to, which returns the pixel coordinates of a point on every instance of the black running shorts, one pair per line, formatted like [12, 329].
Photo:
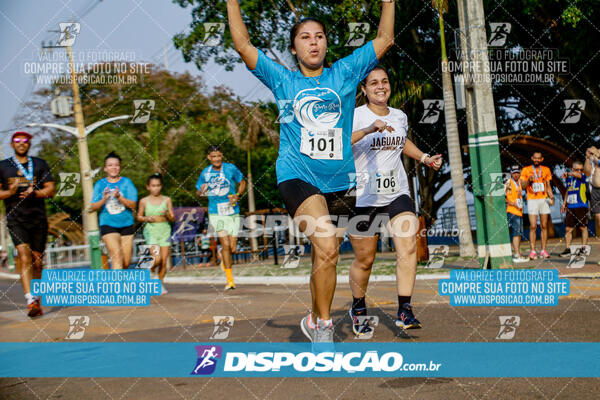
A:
[340, 204]
[401, 204]
[32, 233]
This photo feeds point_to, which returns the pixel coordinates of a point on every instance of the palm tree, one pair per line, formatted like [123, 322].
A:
[161, 142]
[454, 153]
[255, 122]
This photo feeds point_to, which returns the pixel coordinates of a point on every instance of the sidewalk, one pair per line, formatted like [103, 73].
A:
[263, 271]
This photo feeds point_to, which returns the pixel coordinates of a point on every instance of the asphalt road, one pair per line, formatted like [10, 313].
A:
[272, 314]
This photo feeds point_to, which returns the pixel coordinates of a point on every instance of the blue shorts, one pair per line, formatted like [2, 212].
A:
[515, 224]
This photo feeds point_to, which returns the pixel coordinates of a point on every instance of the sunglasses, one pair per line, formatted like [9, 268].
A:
[20, 140]
[578, 170]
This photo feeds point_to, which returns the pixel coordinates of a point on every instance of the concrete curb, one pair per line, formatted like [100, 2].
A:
[284, 280]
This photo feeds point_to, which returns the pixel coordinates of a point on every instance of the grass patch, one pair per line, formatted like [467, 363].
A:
[383, 267]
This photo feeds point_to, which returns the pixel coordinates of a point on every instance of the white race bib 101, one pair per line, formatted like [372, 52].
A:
[225, 209]
[572, 198]
[538, 187]
[384, 182]
[323, 144]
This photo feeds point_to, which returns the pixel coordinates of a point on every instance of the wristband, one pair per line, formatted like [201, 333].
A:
[423, 157]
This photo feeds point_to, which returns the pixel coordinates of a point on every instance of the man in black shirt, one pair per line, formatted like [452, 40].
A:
[24, 184]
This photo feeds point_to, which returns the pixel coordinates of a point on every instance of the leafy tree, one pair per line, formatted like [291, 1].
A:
[184, 122]
[414, 64]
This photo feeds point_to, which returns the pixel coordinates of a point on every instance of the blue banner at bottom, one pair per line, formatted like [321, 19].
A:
[234, 359]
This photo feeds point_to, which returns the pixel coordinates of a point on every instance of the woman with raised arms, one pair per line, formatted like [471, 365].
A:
[315, 167]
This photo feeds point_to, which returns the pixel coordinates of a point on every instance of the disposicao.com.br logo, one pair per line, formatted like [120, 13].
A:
[307, 363]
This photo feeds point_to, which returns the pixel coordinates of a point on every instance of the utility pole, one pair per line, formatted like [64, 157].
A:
[90, 219]
[493, 241]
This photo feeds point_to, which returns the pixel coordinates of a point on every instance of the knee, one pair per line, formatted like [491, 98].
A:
[327, 251]
[116, 256]
[407, 248]
[25, 259]
[225, 244]
[364, 261]
[37, 261]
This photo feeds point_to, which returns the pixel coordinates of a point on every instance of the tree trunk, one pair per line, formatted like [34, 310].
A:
[454, 155]
[251, 206]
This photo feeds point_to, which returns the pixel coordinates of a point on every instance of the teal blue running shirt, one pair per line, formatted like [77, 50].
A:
[316, 118]
[221, 183]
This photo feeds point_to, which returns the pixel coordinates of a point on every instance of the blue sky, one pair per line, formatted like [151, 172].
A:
[144, 27]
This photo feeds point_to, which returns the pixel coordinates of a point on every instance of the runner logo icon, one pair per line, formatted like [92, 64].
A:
[292, 255]
[573, 110]
[437, 255]
[508, 326]
[68, 33]
[364, 323]
[286, 112]
[499, 33]
[68, 183]
[213, 34]
[207, 359]
[223, 324]
[431, 111]
[77, 325]
[358, 33]
[142, 111]
[497, 182]
[578, 256]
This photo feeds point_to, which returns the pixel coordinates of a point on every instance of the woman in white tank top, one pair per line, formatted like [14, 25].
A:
[383, 197]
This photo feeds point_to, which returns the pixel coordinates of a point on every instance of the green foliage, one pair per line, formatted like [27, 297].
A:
[572, 15]
[184, 123]
[414, 61]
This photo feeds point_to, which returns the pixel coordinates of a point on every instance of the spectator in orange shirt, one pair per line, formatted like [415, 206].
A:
[536, 180]
[514, 211]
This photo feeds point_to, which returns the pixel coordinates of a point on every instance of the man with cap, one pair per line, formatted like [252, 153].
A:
[592, 171]
[25, 183]
[514, 211]
[575, 205]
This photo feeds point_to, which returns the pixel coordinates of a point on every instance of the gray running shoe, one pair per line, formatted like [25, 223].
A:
[323, 333]
[308, 331]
